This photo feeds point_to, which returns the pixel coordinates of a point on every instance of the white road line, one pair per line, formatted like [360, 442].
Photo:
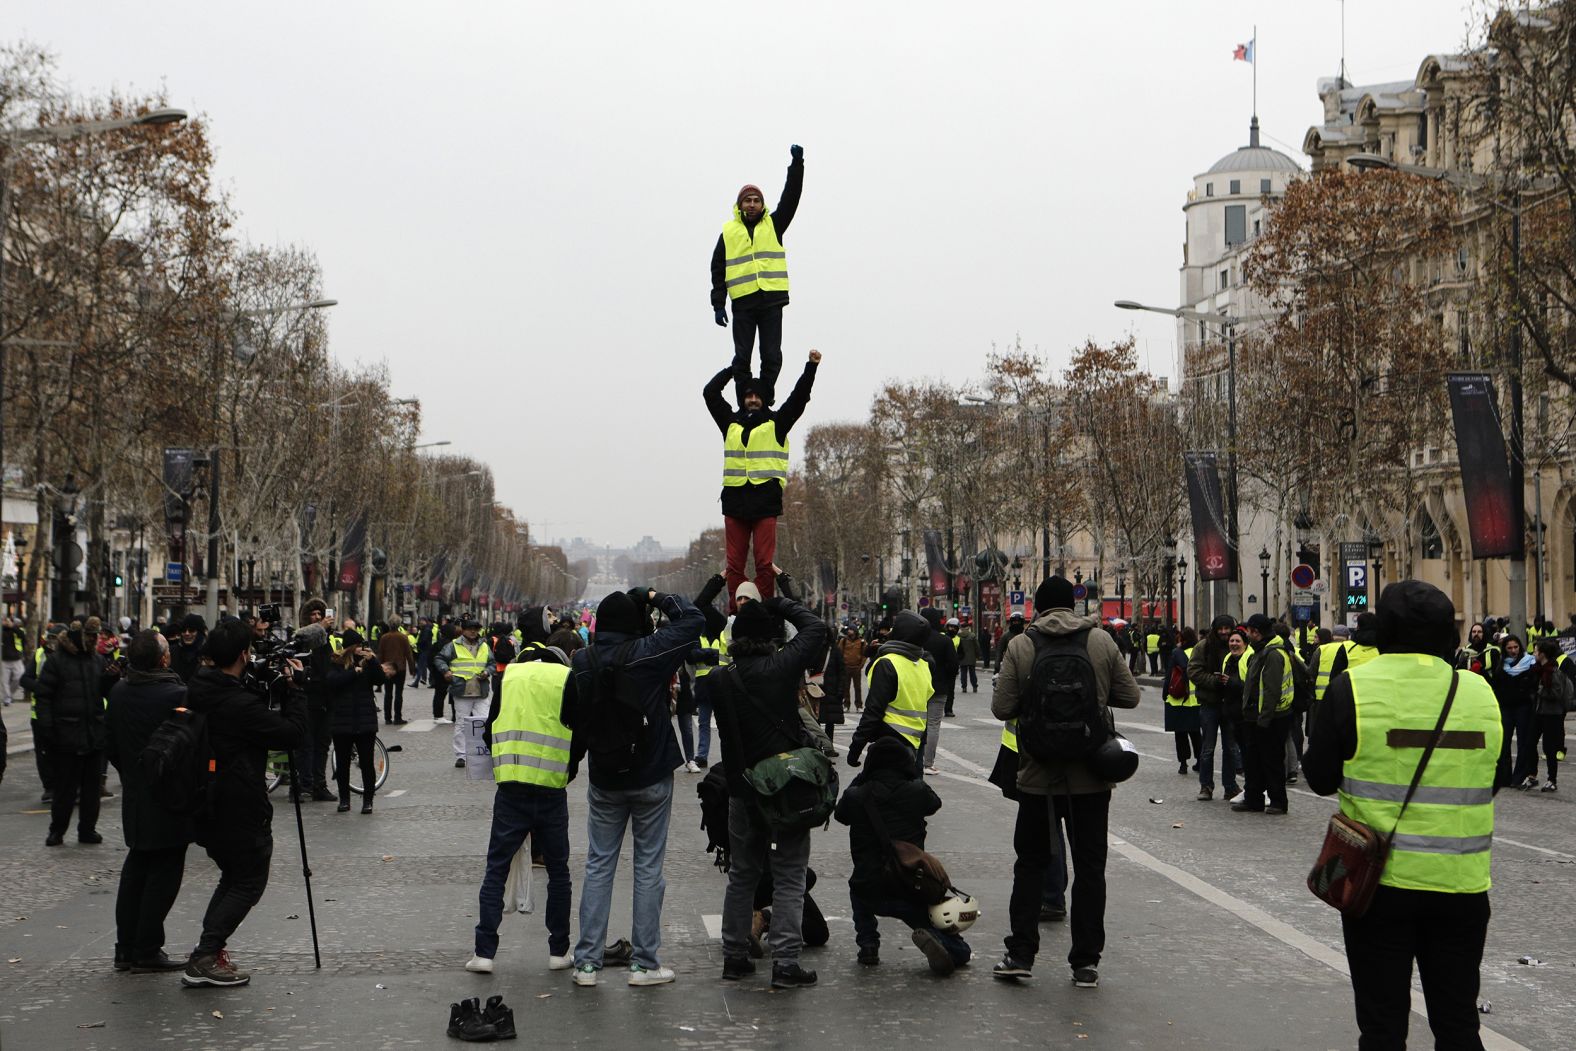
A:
[964, 763]
[416, 726]
[1279, 930]
[987, 722]
[394, 794]
[713, 924]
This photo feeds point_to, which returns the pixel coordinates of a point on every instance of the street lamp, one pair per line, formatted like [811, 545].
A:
[1121, 592]
[1264, 577]
[1181, 589]
[1171, 548]
[1228, 328]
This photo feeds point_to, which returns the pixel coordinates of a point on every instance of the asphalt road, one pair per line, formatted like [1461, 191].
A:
[1213, 940]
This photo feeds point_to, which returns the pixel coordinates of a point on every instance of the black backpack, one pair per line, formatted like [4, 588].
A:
[617, 729]
[1060, 717]
[177, 763]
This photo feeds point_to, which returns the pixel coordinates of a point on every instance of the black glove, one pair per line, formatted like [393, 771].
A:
[796, 151]
[722, 316]
[774, 604]
[854, 753]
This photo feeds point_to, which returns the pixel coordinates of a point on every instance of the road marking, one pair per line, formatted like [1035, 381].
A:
[1279, 930]
[394, 794]
[416, 726]
[713, 924]
[964, 763]
[988, 722]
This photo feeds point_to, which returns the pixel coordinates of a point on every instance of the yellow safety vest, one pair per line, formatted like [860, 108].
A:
[720, 644]
[906, 712]
[469, 663]
[1288, 686]
[1357, 655]
[1191, 700]
[410, 635]
[757, 462]
[1323, 662]
[1443, 842]
[752, 262]
[38, 669]
[336, 644]
[1151, 643]
[529, 743]
[1009, 735]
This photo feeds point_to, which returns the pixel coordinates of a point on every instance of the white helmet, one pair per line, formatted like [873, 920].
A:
[956, 913]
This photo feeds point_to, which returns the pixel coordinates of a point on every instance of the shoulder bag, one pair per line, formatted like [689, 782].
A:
[917, 874]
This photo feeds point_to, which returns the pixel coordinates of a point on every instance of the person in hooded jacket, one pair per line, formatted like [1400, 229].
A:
[1067, 791]
[943, 675]
[752, 501]
[71, 692]
[1554, 698]
[156, 837]
[750, 267]
[186, 646]
[898, 689]
[756, 702]
[889, 788]
[1206, 671]
[352, 682]
[1516, 691]
[237, 832]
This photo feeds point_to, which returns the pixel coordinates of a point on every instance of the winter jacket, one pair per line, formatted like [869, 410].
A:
[1516, 684]
[763, 720]
[1113, 681]
[902, 800]
[968, 648]
[1266, 675]
[394, 648]
[851, 650]
[910, 632]
[241, 733]
[1554, 689]
[71, 691]
[352, 704]
[943, 658]
[787, 205]
[834, 680]
[185, 660]
[764, 500]
[138, 704]
[651, 661]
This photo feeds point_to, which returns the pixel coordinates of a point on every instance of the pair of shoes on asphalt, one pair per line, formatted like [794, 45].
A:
[586, 975]
[158, 963]
[1529, 784]
[471, 1022]
[213, 969]
[323, 795]
[691, 767]
[1011, 969]
[484, 964]
[55, 839]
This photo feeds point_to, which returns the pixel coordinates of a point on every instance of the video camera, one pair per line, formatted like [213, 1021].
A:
[268, 673]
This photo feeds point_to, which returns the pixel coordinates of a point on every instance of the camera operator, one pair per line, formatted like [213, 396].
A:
[238, 829]
[311, 761]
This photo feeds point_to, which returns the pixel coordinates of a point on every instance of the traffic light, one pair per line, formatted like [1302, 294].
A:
[120, 580]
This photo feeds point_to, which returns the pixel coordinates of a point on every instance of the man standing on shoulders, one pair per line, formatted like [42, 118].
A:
[466, 666]
[1431, 907]
[1068, 791]
[156, 837]
[755, 469]
[616, 702]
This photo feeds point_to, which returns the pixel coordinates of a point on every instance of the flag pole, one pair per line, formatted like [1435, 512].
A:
[1255, 64]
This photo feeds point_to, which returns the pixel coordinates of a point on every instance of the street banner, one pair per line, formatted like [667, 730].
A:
[936, 562]
[434, 589]
[467, 581]
[1496, 517]
[1211, 548]
[352, 554]
[177, 487]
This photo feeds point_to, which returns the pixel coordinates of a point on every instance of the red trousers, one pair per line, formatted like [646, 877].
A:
[740, 534]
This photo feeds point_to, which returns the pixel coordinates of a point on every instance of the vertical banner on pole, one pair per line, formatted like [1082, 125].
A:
[936, 563]
[1496, 519]
[1211, 549]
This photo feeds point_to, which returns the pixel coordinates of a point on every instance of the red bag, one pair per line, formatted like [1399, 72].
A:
[1176, 685]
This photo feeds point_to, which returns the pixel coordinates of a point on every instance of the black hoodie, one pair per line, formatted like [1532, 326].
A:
[901, 800]
[910, 632]
[241, 732]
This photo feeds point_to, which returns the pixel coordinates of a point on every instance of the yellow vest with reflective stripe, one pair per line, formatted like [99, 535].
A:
[1009, 735]
[752, 263]
[1443, 842]
[1151, 643]
[529, 743]
[469, 663]
[336, 644]
[1288, 686]
[906, 712]
[1323, 661]
[39, 656]
[756, 462]
[1357, 655]
[720, 644]
[1191, 700]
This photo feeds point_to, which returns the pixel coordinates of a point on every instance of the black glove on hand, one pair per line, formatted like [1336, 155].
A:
[854, 753]
[722, 317]
[796, 151]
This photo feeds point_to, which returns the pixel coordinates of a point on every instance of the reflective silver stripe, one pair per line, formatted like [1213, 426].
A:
[772, 273]
[771, 255]
[1424, 794]
[541, 762]
[531, 737]
[736, 262]
[728, 472]
[1443, 844]
[742, 280]
[769, 474]
[765, 454]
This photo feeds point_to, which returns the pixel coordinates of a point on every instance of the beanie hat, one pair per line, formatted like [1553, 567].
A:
[1341, 631]
[1223, 620]
[1055, 593]
[749, 187]
[715, 622]
[193, 622]
[747, 590]
[889, 753]
[753, 622]
[617, 612]
[1261, 624]
[92, 626]
[351, 639]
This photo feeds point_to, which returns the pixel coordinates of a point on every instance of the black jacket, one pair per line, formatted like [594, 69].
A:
[751, 501]
[241, 733]
[137, 705]
[903, 801]
[787, 205]
[765, 719]
[71, 691]
[185, 660]
[910, 633]
[943, 656]
[651, 662]
[353, 707]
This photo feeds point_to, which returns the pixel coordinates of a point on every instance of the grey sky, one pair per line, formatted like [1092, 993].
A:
[515, 203]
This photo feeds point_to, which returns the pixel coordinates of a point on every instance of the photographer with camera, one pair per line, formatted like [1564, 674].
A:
[311, 761]
[352, 681]
[237, 830]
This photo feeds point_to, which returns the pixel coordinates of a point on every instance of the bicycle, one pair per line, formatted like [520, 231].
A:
[277, 766]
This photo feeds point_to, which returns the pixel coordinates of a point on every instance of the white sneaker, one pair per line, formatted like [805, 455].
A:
[560, 963]
[479, 965]
[1239, 797]
[691, 767]
[638, 975]
[585, 974]
[931, 770]
[437, 722]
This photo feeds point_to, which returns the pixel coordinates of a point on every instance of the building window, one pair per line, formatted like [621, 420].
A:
[1236, 185]
[1209, 189]
[1255, 228]
[1236, 224]
[1203, 334]
[1225, 279]
[1264, 186]
[1463, 338]
[1433, 546]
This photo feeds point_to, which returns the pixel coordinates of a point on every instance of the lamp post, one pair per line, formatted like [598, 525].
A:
[1181, 590]
[1078, 582]
[1171, 567]
[1264, 578]
[1121, 593]
[1228, 329]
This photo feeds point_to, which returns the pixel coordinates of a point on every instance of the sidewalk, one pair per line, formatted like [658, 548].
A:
[19, 734]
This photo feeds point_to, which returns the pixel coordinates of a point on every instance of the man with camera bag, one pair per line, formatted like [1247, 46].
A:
[757, 708]
[616, 702]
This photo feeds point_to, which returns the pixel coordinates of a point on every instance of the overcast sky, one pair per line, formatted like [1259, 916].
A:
[516, 202]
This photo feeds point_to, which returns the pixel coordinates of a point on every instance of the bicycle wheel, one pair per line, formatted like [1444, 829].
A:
[380, 767]
[275, 767]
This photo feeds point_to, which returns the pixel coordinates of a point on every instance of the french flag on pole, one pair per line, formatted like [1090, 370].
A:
[1243, 53]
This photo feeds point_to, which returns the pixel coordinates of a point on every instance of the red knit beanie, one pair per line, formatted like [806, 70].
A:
[749, 187]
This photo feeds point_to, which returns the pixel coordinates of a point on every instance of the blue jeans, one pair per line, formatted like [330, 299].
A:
[521, 810]
[687, 735]
[867, 933]
[1230, 759]
[703, 706]
[646, 811]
